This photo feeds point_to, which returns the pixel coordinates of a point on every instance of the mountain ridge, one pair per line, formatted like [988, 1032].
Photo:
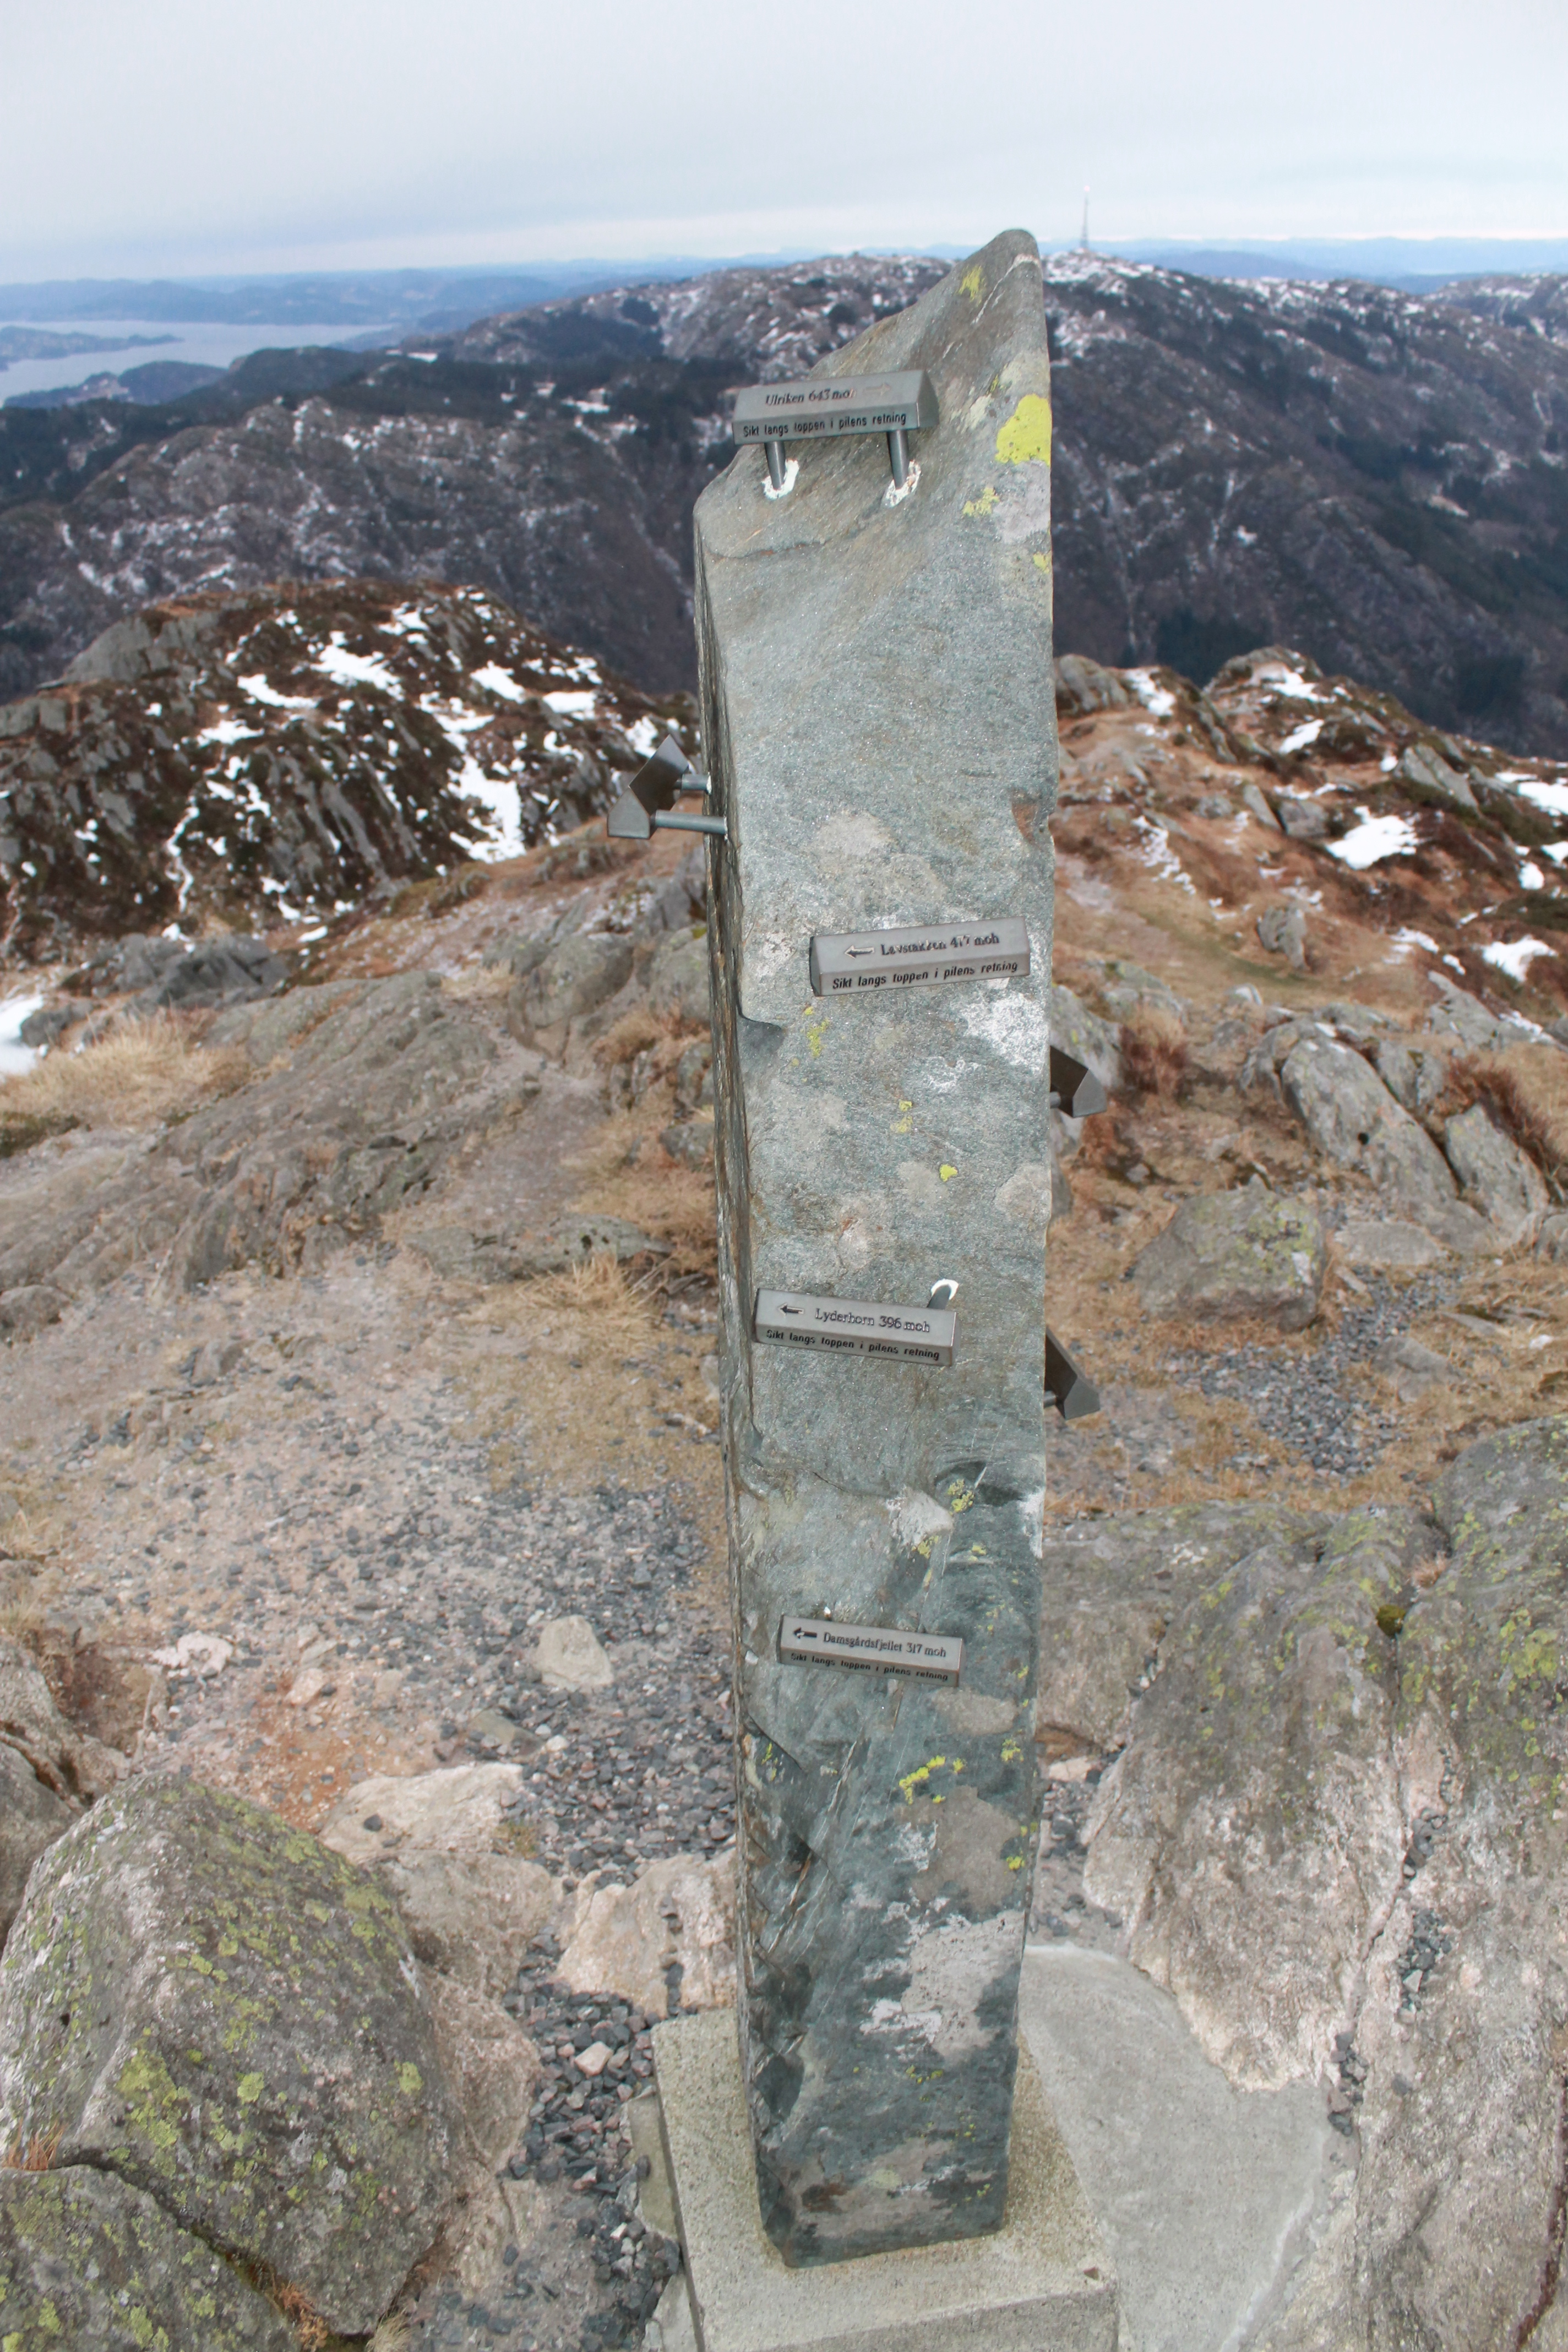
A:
[1374, 477]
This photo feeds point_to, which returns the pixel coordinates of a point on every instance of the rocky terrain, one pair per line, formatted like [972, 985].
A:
[293, 753]
[362, 1559]
[1372, 477]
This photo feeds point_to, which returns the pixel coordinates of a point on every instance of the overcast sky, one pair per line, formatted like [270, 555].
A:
[178, 136]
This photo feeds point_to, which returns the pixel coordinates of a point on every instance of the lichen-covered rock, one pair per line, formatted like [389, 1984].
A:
[1250, 1835]
[1226, 1254]
[1464, 2013]
[1497, 1176]
[1112, 1588]
[212, 2006]
[31, 1817]
[90, 2264]
[1352, 1119]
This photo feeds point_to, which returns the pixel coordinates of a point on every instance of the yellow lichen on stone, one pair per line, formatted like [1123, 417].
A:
[973, 283]
[985, 504]
[1026, 438]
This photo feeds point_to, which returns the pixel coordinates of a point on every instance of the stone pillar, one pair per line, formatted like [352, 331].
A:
[880, 724]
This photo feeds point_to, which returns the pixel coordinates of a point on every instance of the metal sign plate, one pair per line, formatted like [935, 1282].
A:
[872, 1649]
[859, 1327]
[919, 955]
[902, 402]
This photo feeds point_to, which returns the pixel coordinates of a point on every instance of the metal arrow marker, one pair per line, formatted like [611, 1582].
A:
[647, 804]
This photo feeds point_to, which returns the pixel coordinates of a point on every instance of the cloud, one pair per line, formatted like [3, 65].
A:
[299, 133]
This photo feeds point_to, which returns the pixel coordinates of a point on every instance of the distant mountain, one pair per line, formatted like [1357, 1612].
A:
[1537, 304]
[154, 380]
[1377, 478]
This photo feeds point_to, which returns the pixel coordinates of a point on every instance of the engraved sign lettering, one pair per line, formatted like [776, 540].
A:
[902, 402]
[857, 1327]
[912, 955]
[872, 1649]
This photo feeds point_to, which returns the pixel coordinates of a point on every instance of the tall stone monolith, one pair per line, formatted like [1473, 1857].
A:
[879, 722]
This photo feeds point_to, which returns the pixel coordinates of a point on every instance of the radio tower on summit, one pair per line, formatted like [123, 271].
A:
[1083, 241]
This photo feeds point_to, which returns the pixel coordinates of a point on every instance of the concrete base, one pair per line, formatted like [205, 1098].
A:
[1041, 2284]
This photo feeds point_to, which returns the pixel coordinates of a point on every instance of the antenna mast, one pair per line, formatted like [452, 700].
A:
[1085, 239]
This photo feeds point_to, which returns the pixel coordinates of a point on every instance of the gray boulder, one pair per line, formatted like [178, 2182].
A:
[1461, 1015]
[1333, 1832]
[89, 2261]
[30, 1308]
[694, 1077]
[1353, 1120]
[569, 980]
[1226, 1254]
[1414, 1369]
[217, 971]
[1113, 1589]
[1302, 819]
[1250, 1836]
[1500, 1178]
[1283, 931]
[690, 1142]
[1426, 776]
[51, 1020]
[210, 2004]
[1084, 687]
[68, 1762]
[1387, 1245]
[1413, 1069]
[31, 1817]
[676, 980]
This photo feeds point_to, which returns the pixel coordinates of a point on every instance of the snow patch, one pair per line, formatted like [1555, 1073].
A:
[259, 690]
[1515, 956]
[336, 662]
[571, 705]
[1301, 737]
[1374, 838]
[1157, 699]
[496, 680]
[14, 1057]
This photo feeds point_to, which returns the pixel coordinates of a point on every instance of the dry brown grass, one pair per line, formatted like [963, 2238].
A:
[1153, 1051]
[632, 1034]
[141, 1072]
[311, 2329]
[671, 1203]
[35, 2155]
[1525, 1091]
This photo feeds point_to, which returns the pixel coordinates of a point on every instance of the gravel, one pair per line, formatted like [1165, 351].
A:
[1303, 1400]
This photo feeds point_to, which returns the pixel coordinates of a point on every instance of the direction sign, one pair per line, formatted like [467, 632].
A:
[909, 955]
[872, 1649]
[857, 1327]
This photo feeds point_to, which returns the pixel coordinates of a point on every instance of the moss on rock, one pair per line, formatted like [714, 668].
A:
[88, 2261]
[213, 2006]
